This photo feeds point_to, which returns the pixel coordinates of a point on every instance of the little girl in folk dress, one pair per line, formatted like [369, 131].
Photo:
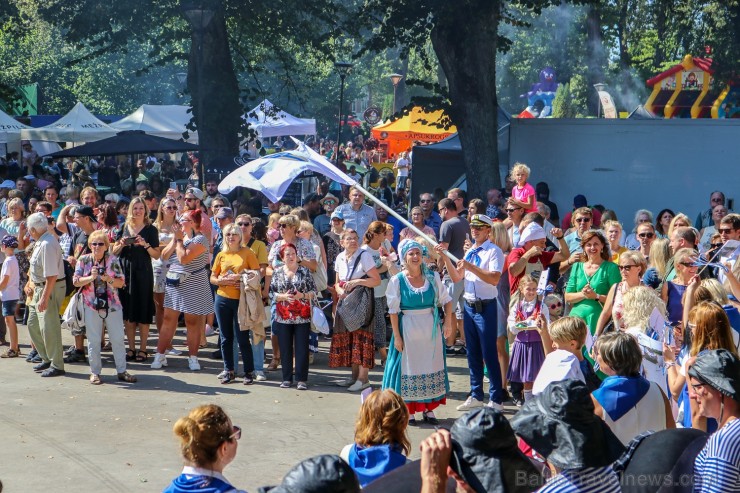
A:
[527, 352]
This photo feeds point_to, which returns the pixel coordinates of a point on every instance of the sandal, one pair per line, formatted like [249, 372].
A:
[126, 377]
[139, 356]
[273, 364]
[130, 355]
[95, 379]
[10, 354]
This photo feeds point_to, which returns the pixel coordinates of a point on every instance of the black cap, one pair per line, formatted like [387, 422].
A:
[85, 210]
[720, 369]
[320, 474]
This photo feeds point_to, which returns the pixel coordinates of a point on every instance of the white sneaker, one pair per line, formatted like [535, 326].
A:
[222, 374]
[173, 352]
[470, 403]
[193, 363]
[209, 331]
[486, 379]
[357, 386]
[497, 407]
[346, 382]
[160, 360]
[259, 377]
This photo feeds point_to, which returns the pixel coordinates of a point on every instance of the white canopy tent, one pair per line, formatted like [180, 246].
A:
[10, 129]
[268, 123]
[79, 125]
[168, 121]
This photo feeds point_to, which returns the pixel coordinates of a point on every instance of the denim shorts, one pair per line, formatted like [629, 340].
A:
[9, 308]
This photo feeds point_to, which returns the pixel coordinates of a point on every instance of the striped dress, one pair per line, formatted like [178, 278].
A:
[717, 467]
[586, 480]
[193, 295]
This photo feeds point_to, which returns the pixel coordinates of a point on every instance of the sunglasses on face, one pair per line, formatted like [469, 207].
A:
[689, 264]
[477, 228]
[284, 226]
[188, 199]
[170, 208]
[97, 244]
[553, 306]
[646, 235]
[726, 231]
[424, 201]
[243, 225]
[509, 211]
[583, 220]
[214, 206]
[626, 267]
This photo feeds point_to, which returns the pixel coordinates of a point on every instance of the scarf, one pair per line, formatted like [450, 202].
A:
[617, 395]
[473, 257]
[373, 462]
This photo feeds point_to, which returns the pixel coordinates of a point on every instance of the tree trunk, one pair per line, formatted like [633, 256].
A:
[211, 76]
[401, 98]
[465, 43]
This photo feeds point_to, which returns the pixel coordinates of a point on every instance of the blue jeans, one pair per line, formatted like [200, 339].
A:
[481, 331]
[226, 314]
[258, 354]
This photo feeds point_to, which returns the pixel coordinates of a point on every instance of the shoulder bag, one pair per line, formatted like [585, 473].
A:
[357, 309]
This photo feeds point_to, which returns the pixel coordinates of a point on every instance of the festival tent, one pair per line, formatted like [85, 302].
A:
[10, 128]
[441, 163]
[79, 125]
[269, 122]
[127, 142]
[168, 121]
[399, 135]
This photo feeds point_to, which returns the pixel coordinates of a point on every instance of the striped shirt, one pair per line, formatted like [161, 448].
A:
[586, 480]
[717, 467]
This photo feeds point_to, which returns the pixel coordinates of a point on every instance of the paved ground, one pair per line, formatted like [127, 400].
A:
[63, 434]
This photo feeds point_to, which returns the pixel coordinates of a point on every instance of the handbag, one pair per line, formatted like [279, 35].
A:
[357, 309]
[73, 318]
[319, 323]
[289, 310]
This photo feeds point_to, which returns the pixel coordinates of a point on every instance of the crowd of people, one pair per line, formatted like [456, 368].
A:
[602, 337]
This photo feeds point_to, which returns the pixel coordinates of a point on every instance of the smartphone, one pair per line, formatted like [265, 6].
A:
[173, 185]
[129, 240]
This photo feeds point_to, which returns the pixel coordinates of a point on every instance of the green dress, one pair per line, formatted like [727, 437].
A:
[601, 281]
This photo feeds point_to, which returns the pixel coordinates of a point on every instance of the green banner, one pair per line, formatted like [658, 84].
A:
[27, 102]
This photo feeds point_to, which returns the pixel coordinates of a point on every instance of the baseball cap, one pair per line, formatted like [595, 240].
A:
[85, 210]
[10, 242]
[580, 201]
[197, 193]
[10, 184]
[481, 220]
[337, 214]
[224, 212]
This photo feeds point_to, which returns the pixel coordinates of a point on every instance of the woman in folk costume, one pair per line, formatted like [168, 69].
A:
[416, 366]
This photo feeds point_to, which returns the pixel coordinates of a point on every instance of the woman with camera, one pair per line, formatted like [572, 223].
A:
[186, 288]
[99, 276]
[292, 288]
[137, 245]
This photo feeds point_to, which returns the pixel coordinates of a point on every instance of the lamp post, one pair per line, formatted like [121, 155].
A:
[182, 79]
[343, 68]
[199, 17]
[395, 79]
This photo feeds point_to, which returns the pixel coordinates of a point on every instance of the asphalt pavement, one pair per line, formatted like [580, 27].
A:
[64, 434]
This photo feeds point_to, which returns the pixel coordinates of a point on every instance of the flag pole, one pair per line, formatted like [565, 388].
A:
[393, 213]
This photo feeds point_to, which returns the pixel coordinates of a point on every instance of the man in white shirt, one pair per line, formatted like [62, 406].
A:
[402, 165]
[481, 270]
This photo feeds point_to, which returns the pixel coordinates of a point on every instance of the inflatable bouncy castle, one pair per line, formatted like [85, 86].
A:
[541, 96]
